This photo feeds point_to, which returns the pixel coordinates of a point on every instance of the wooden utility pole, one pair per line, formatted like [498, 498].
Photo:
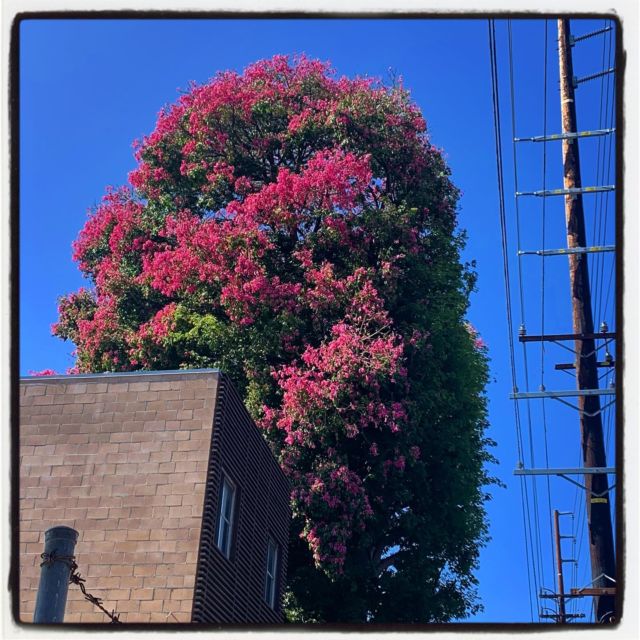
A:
[561, 608]
[597, 496]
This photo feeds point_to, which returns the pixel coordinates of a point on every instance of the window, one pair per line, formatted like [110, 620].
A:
[271, 581]
[225, 516]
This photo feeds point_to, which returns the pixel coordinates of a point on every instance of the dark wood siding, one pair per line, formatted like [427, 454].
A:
[231, 590]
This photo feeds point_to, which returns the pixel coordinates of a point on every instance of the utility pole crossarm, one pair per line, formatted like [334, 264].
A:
[578, 593]
[593, 497]
[569, 393]
[575, 471]
[565, 366]
[566, 136]
[602, 591]
[567, 252]
[556, 616]
[567, 191]
[558, 337]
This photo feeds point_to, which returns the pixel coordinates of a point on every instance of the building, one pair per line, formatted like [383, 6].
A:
[181, 508]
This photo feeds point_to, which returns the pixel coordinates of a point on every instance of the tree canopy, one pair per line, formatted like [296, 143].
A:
[298, 231]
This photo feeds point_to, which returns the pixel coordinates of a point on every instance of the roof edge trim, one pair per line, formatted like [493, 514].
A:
[116, 374]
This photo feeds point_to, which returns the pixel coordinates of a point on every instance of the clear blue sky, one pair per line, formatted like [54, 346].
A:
[89, 88]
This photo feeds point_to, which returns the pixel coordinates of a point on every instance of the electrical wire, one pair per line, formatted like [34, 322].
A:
[507, 285]
[534, 485]
[596, 260]
[542, 284]
[606, 117]
[609, 164]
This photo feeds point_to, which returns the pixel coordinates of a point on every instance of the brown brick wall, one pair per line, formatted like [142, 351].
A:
[123, 460]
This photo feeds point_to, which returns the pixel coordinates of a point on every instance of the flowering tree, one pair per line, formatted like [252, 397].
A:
[298, 231]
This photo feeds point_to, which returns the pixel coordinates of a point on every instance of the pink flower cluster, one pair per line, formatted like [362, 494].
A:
[305, 91]
[108, 236]
[228, 253]
[333, 503]
[151, 336]
[341, 390]
[101, 336]
[478, 342]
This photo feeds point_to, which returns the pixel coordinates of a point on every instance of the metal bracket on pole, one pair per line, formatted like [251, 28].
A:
[566, 136]
[564, 473]
[593, 76]
[589, 414]
[567, 252]
[566, 192]
[587, 590]
[575, 39]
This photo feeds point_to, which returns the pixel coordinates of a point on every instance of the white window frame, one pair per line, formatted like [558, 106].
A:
[271, 573]
[226, 515]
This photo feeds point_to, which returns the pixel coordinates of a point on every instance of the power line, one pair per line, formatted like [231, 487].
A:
[505, 268]
[609, 163]
[597, 218]
[606, 116]
[534, 486]
[542, 287]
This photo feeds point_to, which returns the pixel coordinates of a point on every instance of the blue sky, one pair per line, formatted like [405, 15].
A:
[88, 89]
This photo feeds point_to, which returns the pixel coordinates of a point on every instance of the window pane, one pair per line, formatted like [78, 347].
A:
[224, 538]
[228, 502]
[225, 517]
[273, 552]
[269, 590]
[271, 573]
